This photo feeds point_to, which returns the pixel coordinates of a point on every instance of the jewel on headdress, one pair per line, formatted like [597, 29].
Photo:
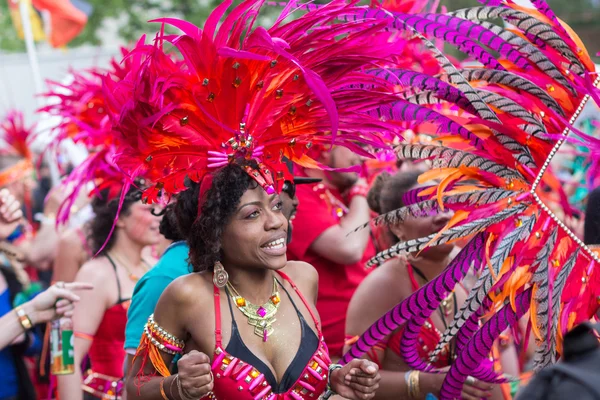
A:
[273, 63]
[184, 121]
[309, 103]
[260, 84]
[237, 81]
[235, 65]
[292, 142]
[292, 110]
[278, 94]
[205, 82]
[149, 158]
[211, 97]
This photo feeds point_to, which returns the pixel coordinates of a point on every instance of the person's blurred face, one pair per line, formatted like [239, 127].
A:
[140, 225]
[341, 157]
[422, 226]
[289, 200]
[255, 236]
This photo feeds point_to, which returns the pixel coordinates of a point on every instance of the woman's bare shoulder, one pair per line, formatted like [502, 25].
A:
[390, 277]
[190, 289]
[304, 275]
[381, 290]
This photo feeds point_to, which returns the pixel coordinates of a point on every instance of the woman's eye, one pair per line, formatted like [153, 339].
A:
[253, 215]
[278, 206]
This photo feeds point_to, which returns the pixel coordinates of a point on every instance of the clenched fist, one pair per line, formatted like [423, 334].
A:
[194, 379]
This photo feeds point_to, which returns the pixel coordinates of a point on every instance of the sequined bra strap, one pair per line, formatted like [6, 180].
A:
[218, 336]
[306, 303]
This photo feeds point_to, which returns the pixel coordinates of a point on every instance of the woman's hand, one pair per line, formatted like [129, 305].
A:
[55, 302]
[10, 213]
[473, 389]
[194, 380]
[357, 380]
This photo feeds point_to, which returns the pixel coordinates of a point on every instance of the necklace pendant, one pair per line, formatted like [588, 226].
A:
[265, 335]
[261, 312]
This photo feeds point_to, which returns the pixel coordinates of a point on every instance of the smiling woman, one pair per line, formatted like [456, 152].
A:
[238, 249]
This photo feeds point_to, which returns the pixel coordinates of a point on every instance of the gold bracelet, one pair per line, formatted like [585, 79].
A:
[23, 318]
[415, 390]
[162, 389]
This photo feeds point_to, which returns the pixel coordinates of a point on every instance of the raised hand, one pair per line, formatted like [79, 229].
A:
[57, 301]
[10, 213]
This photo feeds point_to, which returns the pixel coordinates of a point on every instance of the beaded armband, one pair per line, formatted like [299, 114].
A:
[162, 339]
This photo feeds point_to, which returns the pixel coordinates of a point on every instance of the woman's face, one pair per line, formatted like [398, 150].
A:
[255, 236]
[140, 225]
[417, 227]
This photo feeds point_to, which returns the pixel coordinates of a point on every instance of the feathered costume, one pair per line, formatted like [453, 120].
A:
[518, 109]
[81, 106]
[334, 76]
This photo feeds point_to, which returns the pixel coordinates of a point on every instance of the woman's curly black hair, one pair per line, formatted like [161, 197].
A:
[105, 212]
[168, 224]
[203, 233]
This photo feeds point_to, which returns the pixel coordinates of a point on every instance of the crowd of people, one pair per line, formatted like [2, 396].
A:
[303, 213]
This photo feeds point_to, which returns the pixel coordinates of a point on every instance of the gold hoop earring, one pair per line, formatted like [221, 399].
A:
[220, 276]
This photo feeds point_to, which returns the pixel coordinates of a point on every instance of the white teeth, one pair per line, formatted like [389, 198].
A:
[275, 244]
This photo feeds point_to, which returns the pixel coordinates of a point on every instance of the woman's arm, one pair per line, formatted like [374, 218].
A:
[145, 381]
[52, 303]
[86, 318]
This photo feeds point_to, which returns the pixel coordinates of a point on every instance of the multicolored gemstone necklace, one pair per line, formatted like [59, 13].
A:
[260, 317]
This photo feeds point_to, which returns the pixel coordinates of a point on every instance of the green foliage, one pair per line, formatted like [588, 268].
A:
[9, 40]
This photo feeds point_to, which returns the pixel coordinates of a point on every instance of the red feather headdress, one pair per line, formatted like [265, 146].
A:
[14, 138]
[244, 94]
[81, 105]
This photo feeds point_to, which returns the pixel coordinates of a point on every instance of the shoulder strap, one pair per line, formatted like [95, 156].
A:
[411, 275]
[120, 299]
[218, 337]
[306, 303]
